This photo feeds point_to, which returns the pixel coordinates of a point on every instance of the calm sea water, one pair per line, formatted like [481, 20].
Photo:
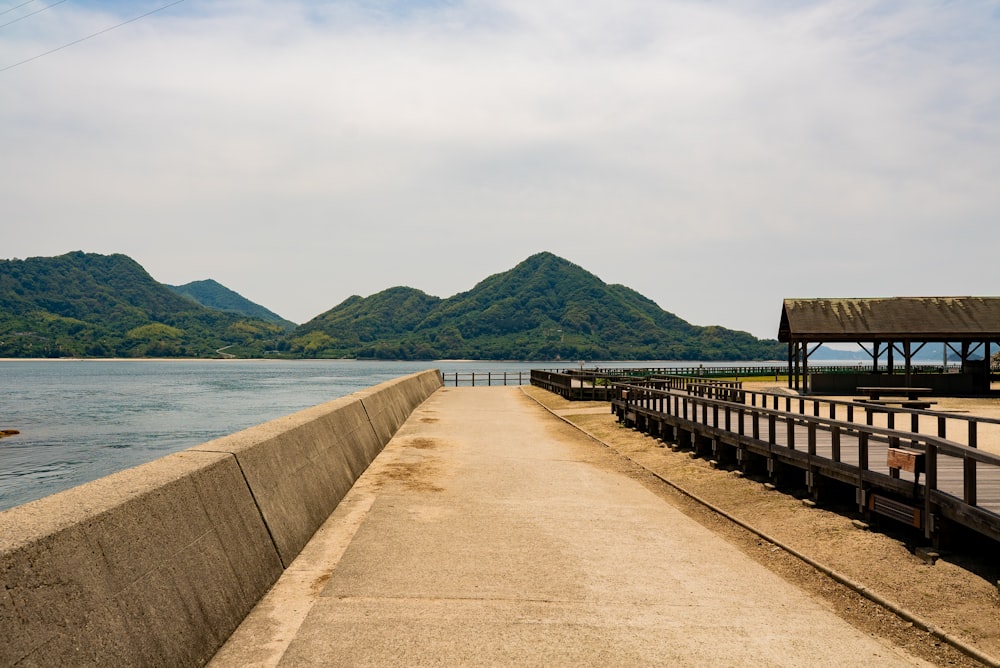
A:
[84, 419]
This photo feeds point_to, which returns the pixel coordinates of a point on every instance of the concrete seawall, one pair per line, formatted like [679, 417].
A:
[157, 565]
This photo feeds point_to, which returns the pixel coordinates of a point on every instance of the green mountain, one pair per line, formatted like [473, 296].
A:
[91, 305]
[544, 308]
[214, 295]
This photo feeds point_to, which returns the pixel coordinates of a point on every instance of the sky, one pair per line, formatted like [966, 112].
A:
[716, 156]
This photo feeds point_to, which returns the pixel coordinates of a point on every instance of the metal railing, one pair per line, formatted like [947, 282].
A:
[485, 378]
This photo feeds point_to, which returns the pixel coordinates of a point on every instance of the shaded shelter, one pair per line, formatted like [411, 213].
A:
[893, 328]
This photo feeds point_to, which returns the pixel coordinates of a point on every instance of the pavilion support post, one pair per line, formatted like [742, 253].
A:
[907, 363]
[798, 361]
[791, 362]
[805, 367]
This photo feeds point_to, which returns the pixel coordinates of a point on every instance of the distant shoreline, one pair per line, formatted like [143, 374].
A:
[228, 359]
[162, 359]
[560, 363]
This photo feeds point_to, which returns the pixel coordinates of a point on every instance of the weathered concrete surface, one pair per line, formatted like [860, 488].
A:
[489, 533]
[156, 565]
[300, 466]
[389, 404]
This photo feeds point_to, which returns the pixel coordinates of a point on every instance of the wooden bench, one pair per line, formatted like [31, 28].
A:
[910, 393]
[919, 404]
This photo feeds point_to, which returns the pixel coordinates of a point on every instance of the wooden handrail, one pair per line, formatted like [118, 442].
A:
[694, 411]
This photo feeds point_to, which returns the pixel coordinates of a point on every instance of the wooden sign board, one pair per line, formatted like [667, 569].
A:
[905, 459]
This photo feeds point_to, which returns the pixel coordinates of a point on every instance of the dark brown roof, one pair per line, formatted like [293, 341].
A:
[891, 319]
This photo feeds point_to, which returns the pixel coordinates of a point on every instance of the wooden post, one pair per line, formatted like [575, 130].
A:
[862, 453]
[970, 480]
[930, 485]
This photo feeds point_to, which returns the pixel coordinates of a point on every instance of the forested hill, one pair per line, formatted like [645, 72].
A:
[544, 308]
[214, 295]
[83, 304]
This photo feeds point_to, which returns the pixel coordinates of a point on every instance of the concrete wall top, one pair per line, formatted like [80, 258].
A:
[390, 403]
[299, 467]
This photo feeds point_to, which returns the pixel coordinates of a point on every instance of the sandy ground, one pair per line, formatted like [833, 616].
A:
[958, 594]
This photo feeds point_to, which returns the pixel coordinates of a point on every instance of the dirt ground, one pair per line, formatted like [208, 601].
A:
[958, 594]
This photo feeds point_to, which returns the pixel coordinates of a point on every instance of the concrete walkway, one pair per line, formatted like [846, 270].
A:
[490, 533]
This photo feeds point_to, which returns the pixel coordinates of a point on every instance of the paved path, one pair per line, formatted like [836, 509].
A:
[490, 533]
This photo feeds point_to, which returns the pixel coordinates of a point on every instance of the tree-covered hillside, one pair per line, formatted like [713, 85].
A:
[90, 305]
[544, 308]
[359, 324]
[214, 295]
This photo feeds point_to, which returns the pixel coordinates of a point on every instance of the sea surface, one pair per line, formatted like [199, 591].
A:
[80, 420]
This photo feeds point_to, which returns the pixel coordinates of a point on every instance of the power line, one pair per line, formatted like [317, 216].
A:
[10, 9]
[91, 36]
[37, 11]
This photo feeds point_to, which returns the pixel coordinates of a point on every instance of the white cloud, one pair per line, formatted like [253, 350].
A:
[299, 152]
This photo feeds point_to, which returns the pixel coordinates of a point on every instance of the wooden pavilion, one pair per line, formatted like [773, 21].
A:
[893, 328]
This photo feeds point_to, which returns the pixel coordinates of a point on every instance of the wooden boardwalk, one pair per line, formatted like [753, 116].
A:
[952, 482]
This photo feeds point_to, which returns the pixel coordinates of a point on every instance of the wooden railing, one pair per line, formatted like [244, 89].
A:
[576, 386]
[961, 483]
[961, 428]
[753, 371]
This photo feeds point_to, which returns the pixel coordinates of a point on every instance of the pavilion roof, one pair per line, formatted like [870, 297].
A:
[935, 319]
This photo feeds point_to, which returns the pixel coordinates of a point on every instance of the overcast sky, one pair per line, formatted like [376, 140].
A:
[715, 156]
